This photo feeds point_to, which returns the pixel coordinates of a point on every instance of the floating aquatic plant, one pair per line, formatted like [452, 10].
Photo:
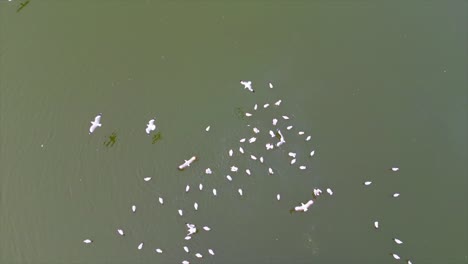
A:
[111, 140]
[22, 5]
[156, 137]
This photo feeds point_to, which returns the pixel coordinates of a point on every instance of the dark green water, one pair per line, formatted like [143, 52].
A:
[376, 85]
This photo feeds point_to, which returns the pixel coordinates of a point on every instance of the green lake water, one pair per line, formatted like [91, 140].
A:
[376, 84]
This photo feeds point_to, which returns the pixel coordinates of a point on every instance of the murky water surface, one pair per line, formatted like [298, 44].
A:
[375, 85]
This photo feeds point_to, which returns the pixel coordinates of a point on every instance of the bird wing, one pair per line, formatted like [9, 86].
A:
[92, 128]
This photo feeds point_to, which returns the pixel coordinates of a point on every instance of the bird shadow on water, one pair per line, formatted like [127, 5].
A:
[22, 5]
[240, 113]
[156, 137]
[111, 140]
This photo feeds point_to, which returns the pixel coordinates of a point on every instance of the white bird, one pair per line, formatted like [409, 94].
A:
[269, 146]
[207, 128]
[308, 138]
[96, 123]
[229, 177]
[281, 142]
[185, 262]
[195, 205]
[302, 167]
[187, 237]
[398, 241]
[206, 228]
[409, 262]
[181, 213]
[395, 169]
[241, 150]
[158, 250]
[150, 126]
[198, 255]
[87, 241]
[200, 186]
[281, 138]
[208, 171]
[312, 153]
[253, 157]
[248, 114]
[215, 192]
[285, 117]
[211, 251]
[275, 121]
[147, 179]
[329, 191]
[247, 85]
[230, 153]
[376, 224]
[292, 154]
[186, 249]
[301, 133]
[242, 140]
[252, 139]
[187, 163]
[240, 192]
[272, 134]
[304, 207]
[255, 130]
[121, 232]
[367, 183]
[278, 197]
[191, 229]
[395, 256]
[270, 170]
[396, 195]
[234, 169]
[271, 85]
[266, 105]
[278, 103]
[140, 246]
[255, 107]
[261, 159]
[293, 161]
[289, 127]
[247, 171]
[161, 201]
[317, 192]
[187, 188]
[133, 208]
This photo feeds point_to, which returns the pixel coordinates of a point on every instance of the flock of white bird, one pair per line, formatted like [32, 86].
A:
[277, 140]
[377, 224]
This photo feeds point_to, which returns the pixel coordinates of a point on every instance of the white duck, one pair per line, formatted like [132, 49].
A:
[282, 141]
[317, 192]
[191, 229]
[96, 123]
